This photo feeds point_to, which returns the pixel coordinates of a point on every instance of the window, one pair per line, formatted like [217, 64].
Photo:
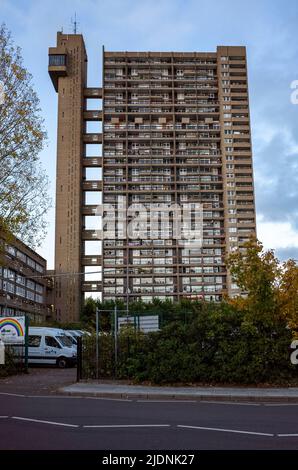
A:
[11, 250]
[57, 59]
[30, 284]
[20, 291]
[52, 342]
[21, 256]
[34, 341]
[39, 268]
[39, 298]
[30, 262]
[10, 287]
[21, 280]
[39, 288]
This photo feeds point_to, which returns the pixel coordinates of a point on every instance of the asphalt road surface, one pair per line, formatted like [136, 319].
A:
[57, 422]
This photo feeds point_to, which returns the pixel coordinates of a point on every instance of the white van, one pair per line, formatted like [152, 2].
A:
[72, 337]
[50, 346]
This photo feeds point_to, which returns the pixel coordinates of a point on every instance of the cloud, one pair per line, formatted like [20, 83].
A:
[268, 29]
[275, 235]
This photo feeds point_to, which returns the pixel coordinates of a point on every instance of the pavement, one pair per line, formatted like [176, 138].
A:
[238, 394]
[39, 380]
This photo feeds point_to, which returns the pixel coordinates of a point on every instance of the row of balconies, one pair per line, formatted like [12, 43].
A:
[88, 235]
[206, 174]
[155, 136]
[170, 78]
[152, 61]
[162, 126]
[154, 101]
[237, 77]
[148, 162]
[159, 188]
[136, 87]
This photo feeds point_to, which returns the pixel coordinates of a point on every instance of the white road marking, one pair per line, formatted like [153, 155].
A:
[50, 396]
[12, 394]
[287, 435]
[167, 401]
[226, 430]
[280, 404]
[107, 398]
[229, 403]
[45, 422]
[127, 426]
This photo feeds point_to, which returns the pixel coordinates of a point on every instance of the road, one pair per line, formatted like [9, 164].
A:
[30, 421]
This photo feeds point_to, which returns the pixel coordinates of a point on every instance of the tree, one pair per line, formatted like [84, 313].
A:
[289, 294]
[24, 198]
[258, 274]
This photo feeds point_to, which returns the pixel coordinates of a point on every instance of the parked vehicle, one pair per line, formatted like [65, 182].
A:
[50, 346]
[72, 337]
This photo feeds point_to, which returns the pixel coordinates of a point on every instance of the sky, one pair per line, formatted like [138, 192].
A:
[269, 31]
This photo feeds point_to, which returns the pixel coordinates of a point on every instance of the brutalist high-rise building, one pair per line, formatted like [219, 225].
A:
[166, 128]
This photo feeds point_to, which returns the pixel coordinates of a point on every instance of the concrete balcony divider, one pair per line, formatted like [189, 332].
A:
[92, 138]
[92, 162]
[95, 93]
[92, 185]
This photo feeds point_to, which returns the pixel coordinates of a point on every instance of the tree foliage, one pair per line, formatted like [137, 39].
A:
[271, 287]
[239, 340]
[288, 294]
[23, 184]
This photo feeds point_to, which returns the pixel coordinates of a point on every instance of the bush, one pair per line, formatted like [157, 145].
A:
[198, 343]
[218, 346]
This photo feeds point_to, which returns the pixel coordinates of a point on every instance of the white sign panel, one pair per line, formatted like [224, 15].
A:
[12, 329]
[2, 352]
[145, 323]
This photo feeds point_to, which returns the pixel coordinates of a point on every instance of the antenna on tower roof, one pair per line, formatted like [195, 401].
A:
[74, 24]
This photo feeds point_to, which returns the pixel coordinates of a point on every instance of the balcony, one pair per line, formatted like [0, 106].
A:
[57, 64]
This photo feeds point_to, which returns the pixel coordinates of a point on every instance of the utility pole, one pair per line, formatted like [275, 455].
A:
[115, 338]
[97, 341]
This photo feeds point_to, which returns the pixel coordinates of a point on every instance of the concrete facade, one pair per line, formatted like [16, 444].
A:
[175, 130]
[25, 288]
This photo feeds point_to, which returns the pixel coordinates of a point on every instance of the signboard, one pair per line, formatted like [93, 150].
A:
[12, 329]
[145, 323]
[2, 352]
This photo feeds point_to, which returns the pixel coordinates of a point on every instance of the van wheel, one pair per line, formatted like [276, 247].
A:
[61, 363]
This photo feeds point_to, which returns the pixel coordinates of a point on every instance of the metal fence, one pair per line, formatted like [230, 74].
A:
[95, 359]
[107, 354]
[14, 359]
[107, 358]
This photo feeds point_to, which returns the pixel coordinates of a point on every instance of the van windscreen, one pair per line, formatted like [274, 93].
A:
[65, 340]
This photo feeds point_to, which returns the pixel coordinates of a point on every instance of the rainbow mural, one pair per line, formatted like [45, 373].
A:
[12, 329]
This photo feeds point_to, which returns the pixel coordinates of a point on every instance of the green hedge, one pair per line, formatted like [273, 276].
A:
[218, 346]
